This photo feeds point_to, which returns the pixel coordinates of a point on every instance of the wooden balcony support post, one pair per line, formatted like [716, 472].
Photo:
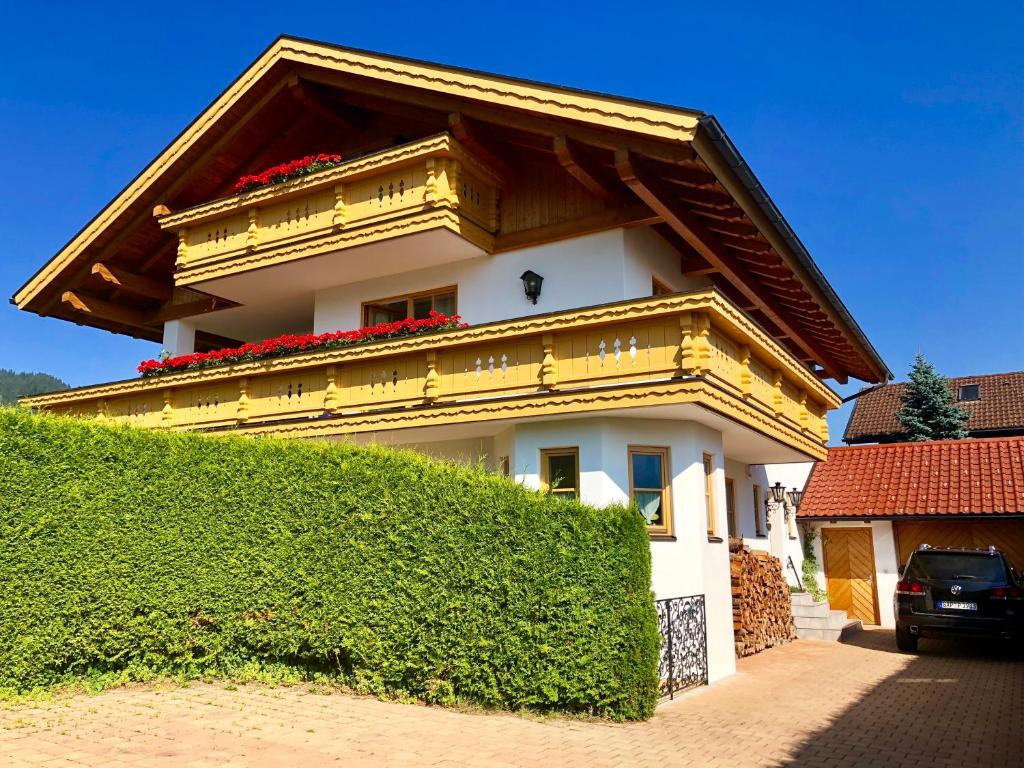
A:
[548, 366]
[823, 428]
[340, 207]
[432, 385]
[242, 413]
[777, 396]
[695, 349]
[101, 410]
[182, 253]
[745, 377]
[252, 234]
[805, 414]
[430, 188]
[167, 413]
[331, 397]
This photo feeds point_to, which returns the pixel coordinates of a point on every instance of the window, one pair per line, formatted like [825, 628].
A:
[413, 305]
[649, 487]
[709, 494]
[659, 288]
[730, 507]
[560, 471]
[968, 392]
[758, 529]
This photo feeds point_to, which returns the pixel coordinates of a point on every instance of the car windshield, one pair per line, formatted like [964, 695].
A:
[956, 566]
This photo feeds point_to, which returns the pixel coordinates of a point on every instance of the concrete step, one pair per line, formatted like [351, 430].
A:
[852, 627]
[835, 635]
[812, 610]
[817, 621]
[833, 620]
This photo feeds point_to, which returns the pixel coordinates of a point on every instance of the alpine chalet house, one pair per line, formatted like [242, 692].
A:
[642, 323]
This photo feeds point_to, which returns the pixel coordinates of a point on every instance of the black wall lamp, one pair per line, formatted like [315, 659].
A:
[531, 284]
[795, 497]
[776, 495]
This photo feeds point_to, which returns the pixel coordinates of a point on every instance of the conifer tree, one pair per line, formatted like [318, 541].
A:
[928, 411]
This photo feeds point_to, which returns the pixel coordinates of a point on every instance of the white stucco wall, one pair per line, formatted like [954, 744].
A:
[886, 566]
[595, 269]
[471, 451]
[179, 337]
[779, 541]
[689, 564]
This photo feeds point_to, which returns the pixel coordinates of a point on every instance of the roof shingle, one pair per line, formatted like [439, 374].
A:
[999, 409]
[942, 477]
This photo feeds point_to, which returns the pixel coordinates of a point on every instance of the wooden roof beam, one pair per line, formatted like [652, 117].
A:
[132, 283]
[671, 152]
[569, 158]
[695, 267]
[741, 244]
[189, 309]
[725, 227]
[195, 167]
[707, 245]
[117, 313]
[469, 136]
[306, 98]
[105, 310]
[635, 215]
[688, 177]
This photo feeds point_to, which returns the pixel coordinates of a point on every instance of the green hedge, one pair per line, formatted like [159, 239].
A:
[143, 553]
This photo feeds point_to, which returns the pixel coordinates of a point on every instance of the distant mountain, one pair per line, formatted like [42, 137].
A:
[13, 385]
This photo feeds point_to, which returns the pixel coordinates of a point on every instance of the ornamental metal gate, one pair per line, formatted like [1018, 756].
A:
[684, 643]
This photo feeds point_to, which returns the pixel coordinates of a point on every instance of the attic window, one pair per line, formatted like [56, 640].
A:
[968, 392]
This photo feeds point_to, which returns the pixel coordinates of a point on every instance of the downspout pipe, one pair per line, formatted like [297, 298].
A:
[739, 166]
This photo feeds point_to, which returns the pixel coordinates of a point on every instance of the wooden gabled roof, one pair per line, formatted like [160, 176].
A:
[640, 162]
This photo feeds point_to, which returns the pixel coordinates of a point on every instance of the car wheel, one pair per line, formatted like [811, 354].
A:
[906, 641]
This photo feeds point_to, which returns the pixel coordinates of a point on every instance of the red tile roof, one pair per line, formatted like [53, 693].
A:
[942, 477]
[1000, 409]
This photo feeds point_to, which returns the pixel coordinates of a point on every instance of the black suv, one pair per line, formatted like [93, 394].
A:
[957, 593]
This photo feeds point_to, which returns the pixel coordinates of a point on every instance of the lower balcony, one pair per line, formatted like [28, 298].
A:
[643, 357]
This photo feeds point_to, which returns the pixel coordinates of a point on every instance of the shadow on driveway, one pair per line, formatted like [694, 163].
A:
[955, 703]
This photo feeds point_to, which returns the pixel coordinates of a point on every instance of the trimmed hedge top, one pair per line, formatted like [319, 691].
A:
[150, 553]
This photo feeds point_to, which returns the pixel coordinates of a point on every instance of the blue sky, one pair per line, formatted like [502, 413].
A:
[889, 134]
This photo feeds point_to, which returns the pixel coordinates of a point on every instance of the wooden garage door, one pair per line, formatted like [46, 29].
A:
[850, 572]
[1008, 535]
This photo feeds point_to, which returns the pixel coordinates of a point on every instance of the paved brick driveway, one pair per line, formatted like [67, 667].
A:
[806, 704]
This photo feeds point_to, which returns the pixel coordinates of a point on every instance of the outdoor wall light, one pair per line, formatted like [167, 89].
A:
[531, 284]
[772, 501]
[795, 497]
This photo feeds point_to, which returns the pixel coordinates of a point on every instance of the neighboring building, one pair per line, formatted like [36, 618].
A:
[995, 402]
[680, 340]
[874, 504]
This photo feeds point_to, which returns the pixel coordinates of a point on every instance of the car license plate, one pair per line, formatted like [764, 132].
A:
[957, 606]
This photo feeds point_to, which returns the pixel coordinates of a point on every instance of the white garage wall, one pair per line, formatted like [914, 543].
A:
[886, 566]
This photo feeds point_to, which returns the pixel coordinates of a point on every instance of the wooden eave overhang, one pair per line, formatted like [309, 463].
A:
[646, 162]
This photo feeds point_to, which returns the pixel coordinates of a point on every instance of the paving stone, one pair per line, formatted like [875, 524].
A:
[814, 704]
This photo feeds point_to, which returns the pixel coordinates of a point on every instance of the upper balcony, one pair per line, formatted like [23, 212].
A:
[431, 185]
[692, 356]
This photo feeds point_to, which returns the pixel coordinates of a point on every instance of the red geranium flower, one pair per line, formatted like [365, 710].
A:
[285, 171]
[289, 344]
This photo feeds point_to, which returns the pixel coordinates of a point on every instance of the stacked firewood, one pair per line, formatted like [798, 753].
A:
[762, 612]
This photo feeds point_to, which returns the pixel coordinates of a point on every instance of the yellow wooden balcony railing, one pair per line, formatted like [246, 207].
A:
[682, 348]
[425, 185]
